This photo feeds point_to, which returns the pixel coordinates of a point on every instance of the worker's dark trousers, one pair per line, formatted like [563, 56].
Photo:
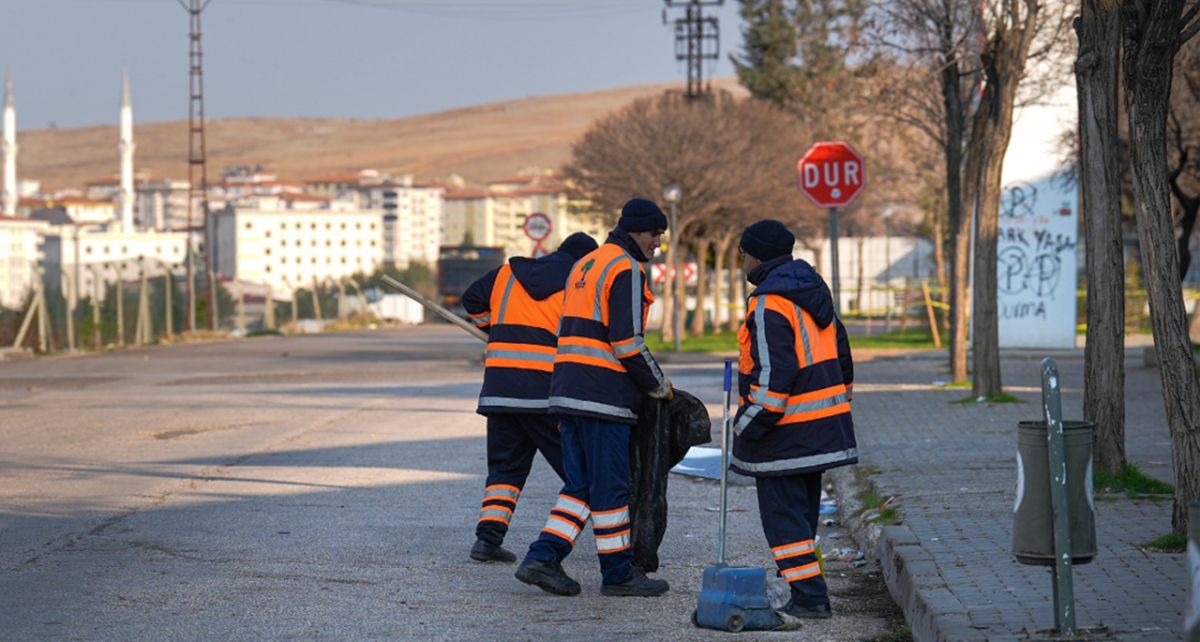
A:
[512, 441]
[596, 459]
[790, 507]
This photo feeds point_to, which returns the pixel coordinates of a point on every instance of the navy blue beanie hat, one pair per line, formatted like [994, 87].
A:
[641, 215]
[578, 245]
[767, 239]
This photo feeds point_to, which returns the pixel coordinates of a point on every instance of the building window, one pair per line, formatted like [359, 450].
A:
[268, 251]
[267, 233]
[268, 269]
[297, 224]
[248, 226]
[106, 249]
[313, 225]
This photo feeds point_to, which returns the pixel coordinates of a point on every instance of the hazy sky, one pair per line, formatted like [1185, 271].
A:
[354, 58]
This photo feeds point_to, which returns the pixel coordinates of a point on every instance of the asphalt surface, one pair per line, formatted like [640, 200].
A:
[316, 488]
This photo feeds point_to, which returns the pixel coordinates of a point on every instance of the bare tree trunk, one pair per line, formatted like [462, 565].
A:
[737, 291]
[1098, 28]
[702, 245]
[681, 288]
[959, 235]
[719, 309]
[939, 251]
[1151, 30]
[860, 242]
[1003, 59]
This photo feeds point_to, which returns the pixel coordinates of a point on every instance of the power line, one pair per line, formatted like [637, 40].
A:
[198, 166]
[697, 38]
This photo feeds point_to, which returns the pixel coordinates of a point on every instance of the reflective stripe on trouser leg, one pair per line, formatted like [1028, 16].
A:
[510, 453]
[571, 512]
[611, 528]
[605, 448]
[785, 504]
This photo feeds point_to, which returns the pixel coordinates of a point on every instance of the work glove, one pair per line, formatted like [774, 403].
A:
[663, 391]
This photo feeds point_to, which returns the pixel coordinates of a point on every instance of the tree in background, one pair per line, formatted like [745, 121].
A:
[934, 47]
[1153, 31]
[1098, 29]
[734, 159]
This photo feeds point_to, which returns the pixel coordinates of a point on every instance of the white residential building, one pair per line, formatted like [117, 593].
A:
[89, 254]
[20, 254]
[495, 216]
[292, 248]
[412, 211]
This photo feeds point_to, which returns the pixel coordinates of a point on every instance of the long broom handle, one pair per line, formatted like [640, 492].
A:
[437, 309]
[725, 433]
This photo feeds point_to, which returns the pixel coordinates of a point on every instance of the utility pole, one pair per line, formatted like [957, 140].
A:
[697, 38]
[197, 166]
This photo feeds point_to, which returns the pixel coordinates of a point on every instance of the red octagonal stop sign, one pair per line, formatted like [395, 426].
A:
[831, 173]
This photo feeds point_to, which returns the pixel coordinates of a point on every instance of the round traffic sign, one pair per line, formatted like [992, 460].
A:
[831, 173]
[537, 226]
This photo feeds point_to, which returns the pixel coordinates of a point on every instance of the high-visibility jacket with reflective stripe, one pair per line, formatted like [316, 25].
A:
[602, 366]
[521, 338]
[795, 381]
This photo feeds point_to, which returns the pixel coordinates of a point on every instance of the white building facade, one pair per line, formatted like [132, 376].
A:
[293, 248]
[20, 254]
[495, 217]
[92, 256]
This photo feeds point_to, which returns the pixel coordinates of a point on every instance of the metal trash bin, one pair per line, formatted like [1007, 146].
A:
[1033, 522]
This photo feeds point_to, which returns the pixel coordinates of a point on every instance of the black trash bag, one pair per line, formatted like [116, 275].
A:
[665, 432]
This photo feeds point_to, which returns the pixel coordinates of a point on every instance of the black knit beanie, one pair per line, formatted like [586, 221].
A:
[767, 239]
[578, 245]
[641, 215]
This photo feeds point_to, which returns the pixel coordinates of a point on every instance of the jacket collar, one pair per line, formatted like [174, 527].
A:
[621, 239]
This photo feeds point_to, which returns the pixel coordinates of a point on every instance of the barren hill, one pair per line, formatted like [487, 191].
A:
[480, 143]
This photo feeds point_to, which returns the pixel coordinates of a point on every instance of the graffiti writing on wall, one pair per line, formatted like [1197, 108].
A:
[1030, 258]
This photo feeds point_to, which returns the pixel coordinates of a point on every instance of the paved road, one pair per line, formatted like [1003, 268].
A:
[316, 488]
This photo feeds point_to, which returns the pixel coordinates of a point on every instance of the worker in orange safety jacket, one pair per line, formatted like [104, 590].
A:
[795, 378]
[519, 305]
[602, 369]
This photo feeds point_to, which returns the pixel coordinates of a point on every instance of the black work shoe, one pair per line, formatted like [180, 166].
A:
[488, 552]
[818, 612]
[548, 576]
[638, 585]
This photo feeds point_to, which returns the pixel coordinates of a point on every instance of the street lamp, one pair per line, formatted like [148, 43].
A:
[672, 192]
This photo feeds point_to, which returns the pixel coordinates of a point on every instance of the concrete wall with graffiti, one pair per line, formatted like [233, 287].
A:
[1038, 243]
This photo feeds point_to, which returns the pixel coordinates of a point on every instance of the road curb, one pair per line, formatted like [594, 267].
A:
[932, 611]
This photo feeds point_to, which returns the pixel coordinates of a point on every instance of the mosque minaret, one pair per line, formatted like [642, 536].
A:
[125, 197]
[8, 198]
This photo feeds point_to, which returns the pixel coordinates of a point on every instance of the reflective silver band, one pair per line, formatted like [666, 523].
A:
[797, 462]
[573, 506]
[588, 352]
[519, 354]
[818, 404]
[514, 402]
[596, 312]
[561, 527]
[592, 406]
[504, 299]
[610, 519]
[808, 356]
[612, 543]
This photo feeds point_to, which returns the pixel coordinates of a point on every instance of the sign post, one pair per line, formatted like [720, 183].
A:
[832, 174]
[537, 227]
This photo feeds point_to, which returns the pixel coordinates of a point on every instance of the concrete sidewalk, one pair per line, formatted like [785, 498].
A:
[952, 468]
